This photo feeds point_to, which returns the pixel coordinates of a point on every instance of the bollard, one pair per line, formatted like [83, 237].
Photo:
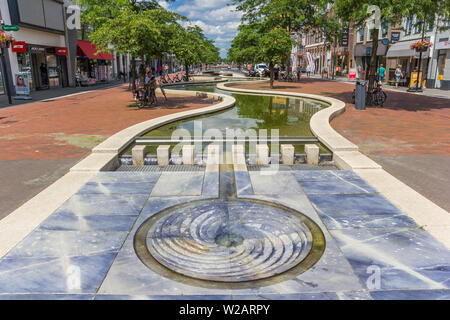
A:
[188, 155]
[213, 155]
[262, 154]
[312, 154]
[163, 155]
[287, 154]
[138, 154]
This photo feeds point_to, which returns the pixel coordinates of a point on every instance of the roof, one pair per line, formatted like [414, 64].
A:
[89, 50]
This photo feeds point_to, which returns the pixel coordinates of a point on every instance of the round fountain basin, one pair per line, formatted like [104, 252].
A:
[229, 241]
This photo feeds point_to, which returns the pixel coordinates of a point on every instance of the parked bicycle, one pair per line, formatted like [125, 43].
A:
[377, 98]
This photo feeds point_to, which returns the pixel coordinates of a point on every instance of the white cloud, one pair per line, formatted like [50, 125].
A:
[218, 20]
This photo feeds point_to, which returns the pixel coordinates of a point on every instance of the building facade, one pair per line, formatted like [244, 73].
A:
[40, 50]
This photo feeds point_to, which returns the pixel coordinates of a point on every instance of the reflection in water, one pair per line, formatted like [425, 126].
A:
[290, 116]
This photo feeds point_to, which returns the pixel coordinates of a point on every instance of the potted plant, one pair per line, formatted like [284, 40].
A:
[5, 39]
[421, 46]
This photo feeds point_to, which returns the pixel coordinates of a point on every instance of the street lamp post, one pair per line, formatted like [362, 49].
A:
[5, 74]
[418, 86]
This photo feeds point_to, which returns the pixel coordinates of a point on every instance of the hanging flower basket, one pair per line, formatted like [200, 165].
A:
[421, 46]
[6, 39]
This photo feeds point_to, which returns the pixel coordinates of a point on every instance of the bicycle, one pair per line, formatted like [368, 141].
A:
[377, 98]
[185, 79]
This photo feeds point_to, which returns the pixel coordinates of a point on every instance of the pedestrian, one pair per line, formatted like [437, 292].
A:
[299, 73]
[381, 72]
[308, 70]
[398, 75]
[166, 69]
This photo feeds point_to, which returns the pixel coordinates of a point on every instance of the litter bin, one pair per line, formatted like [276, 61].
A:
[360, 95]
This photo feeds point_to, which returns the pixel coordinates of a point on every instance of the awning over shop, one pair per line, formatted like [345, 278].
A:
[89, 50]
[364, 50]
[403, 49]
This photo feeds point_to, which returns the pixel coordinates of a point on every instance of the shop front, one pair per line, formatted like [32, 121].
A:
[440, 76]
[45, 66]
[93, 66]
[363, 56]
[401, 54]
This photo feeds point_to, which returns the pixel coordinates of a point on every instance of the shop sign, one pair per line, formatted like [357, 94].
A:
[22, 83]
[62, 51]
[413, 81]
[37, 50]
[395, 37]
[352, 74]
[345, 34]
[12, 27]
[19, 46]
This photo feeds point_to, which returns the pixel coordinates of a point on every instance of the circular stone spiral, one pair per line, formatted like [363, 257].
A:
[229, 241]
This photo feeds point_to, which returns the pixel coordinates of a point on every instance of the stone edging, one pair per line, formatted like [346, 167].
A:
[21, 222]
[346, 156]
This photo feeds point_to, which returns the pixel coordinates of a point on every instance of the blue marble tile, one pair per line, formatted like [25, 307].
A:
[159, 297]
[56, 244]
[129, 276]
[335, 187]
[292, 296]
[411, 295]
[70, 222]
[46, 297]
[332, 182]
[74, 275]
[211, 184]
[281, 182]
[325, 175]
[144, 188]
[399, 259]
[243, 183]
[359, 211]
[95, 205]
[179, 184]
[354, 295]
[126, 177]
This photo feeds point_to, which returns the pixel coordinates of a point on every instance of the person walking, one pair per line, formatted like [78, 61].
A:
[381, 72]
[308, 70]
[398, 75]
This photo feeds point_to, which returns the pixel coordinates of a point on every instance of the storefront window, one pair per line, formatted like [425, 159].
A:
[52, 69]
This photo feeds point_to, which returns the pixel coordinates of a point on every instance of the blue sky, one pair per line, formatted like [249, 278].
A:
[218, 20]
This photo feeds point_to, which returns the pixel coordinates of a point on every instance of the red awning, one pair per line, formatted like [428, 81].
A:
[89, 49]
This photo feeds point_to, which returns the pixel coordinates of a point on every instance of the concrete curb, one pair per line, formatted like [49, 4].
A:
[346, 156]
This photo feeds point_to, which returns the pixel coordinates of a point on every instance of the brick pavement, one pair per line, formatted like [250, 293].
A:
[409, 137]
[39, 142]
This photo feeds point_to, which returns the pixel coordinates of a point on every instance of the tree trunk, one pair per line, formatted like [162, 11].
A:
[133, 73]
[272, 74]
[187, 72]
[373, 63]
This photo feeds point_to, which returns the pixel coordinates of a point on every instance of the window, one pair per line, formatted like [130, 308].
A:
[409, 25]
[361, 35]
[418, 27]
[384, 29]
[370, 27]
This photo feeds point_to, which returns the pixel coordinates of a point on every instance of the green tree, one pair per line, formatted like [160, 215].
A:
[276, 47]
[246, 46]
[138, 28]
[188, 44]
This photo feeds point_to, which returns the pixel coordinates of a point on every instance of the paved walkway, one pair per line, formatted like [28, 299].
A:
[343, 241]
[409, 137]
[436, 93]
[39, 142]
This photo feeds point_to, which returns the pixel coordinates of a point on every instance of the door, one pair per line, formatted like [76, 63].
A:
[40, 73]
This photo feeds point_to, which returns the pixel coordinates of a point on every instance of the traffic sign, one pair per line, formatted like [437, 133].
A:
[11, 27]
